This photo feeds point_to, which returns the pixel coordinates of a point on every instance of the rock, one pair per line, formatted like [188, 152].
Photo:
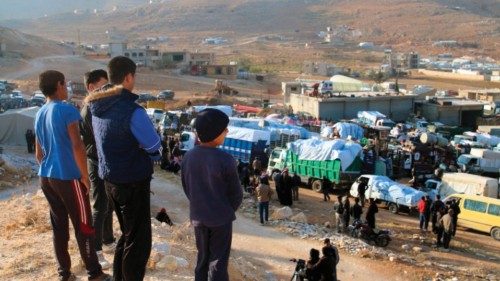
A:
[168, 262]
[491, 277]
[417, 249]
[405, 247]
[393, 259]
[162, 248]
[454, 279]
[327, 224]
[282, 213]
[182, 262]
[300, 217]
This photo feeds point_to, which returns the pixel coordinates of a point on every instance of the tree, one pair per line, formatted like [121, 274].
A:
[377, 76]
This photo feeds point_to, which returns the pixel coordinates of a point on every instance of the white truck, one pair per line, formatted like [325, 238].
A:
[394, 195]
[453, 183]
[375, 119]
[480, 161]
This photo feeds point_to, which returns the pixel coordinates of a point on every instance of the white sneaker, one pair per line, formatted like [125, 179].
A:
[109, 248]
[102, 261]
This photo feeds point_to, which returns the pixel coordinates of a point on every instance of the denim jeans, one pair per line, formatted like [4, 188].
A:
[422, 220]
[264, 211]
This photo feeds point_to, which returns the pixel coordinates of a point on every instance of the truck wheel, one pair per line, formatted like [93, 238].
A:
[316, 186]
[393, 208]
[495, 233]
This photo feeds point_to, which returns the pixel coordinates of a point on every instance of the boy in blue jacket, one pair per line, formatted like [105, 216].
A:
[210, 181]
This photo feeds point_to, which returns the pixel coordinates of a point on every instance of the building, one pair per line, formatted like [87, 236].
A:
[490, 95]
[223, 71]
[396, 107]
[201, 58]
[413, 60]
[401, 60]
[321, 68]
[451, 111]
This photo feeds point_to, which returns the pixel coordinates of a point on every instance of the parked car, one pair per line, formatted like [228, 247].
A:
[145, 97]
[166, 95]
[16, 94]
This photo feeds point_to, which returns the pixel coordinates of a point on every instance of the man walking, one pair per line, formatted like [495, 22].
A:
[127, 144]
[421, 212]
[448, 226]
[64, 177]
[214, 193]
[102, 210]
[436, 207]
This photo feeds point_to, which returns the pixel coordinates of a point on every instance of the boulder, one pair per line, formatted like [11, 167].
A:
[162, 248]
[282, 213]
[405, 247]
[417, 249]
[300, 217]
[181, 262]
[168, 262]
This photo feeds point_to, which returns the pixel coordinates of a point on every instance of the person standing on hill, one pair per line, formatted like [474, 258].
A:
[102, 209]
[127, 144]
[295, 187]
[214, 192]
[264, 193]
[356, 210]
[370, 213]
[64, 176]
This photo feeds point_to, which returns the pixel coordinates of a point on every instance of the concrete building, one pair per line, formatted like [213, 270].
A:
[117, 49]
[223, 71]
[396, 107]
[451, 111]
[321, 68]
[413, 60]
[201, 58]
[490, 95]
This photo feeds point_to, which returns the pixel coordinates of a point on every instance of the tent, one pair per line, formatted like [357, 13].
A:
[14, 123]
[341, 83]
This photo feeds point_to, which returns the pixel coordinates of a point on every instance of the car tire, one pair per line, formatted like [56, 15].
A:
[393, 208]
[495, 233]
[316, 186]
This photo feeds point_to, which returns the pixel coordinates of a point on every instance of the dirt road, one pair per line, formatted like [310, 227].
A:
[264, 246]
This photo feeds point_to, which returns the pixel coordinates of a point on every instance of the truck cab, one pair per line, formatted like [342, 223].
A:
[277, 160]
[326, 87]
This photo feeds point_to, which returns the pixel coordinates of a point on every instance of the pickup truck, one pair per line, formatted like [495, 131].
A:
[481, 162]
[394, 195]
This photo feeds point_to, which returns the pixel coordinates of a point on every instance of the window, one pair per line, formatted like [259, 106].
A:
[178, 57]
[134, 55]
[127, 55]
[475, 206]
[141, 54]
[494, 210]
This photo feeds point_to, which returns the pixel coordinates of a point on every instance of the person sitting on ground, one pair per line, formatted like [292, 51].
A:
[162, 216]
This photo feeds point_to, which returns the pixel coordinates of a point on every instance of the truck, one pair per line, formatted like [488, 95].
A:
[375, 119]
[462, 183]
[396, 196]
[480, 161]
[246, 144]
[341, 167]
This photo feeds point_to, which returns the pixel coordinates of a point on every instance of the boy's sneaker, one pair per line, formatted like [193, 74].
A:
[102, 277]
[102, 261]
[109, 248]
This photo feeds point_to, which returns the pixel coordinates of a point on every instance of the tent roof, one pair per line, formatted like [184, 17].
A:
[345, 79]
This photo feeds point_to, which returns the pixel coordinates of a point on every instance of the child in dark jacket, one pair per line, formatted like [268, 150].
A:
[210, 181]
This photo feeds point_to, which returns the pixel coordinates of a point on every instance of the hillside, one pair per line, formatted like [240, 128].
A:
[400, 24]
[21, 45]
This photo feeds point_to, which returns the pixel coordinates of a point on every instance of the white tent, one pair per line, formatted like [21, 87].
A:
[14, 123]
[343, 83]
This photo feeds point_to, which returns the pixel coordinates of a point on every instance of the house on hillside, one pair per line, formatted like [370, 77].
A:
[321, 68]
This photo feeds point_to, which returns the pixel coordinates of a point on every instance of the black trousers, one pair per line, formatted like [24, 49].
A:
[214, 247]
[131, 202]
[68, 198]
[102, 209]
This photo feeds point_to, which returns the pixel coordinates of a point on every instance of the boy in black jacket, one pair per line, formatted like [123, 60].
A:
[210, 181]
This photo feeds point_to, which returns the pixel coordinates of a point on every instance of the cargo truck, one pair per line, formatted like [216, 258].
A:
[312, 172]
[462, 183]
[481, 162]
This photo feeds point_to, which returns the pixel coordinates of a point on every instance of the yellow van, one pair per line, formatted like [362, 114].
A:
[479, 213]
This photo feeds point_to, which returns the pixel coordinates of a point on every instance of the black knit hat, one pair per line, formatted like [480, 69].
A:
[210, 123]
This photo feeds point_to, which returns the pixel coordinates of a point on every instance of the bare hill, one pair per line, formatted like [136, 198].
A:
[25, 46]
[398, 23]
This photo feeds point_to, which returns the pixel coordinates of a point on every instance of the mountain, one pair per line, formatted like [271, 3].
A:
[404, 24]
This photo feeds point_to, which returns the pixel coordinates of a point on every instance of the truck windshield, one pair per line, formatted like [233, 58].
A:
[276, 154]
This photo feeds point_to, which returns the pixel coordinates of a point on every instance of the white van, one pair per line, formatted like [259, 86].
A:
[326, 87]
